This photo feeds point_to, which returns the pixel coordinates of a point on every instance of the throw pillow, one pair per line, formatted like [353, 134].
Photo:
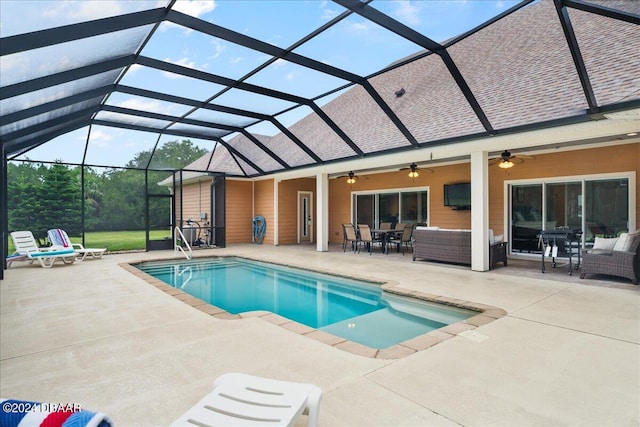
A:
[621, 244]
[605, 244]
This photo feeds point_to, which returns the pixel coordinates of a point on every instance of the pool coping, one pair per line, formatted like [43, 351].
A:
[486, 313]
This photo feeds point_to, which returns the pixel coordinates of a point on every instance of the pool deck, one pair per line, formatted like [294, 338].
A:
[567, 352]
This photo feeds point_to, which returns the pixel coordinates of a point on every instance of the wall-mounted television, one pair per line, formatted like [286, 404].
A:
[458, 196]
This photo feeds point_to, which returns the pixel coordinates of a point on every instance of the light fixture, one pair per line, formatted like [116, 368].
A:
[413, 172]
[505, 164]
[352, 178]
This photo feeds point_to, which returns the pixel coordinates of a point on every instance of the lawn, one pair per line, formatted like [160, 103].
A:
[115, 240]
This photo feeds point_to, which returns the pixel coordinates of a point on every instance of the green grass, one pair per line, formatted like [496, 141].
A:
[115, 240]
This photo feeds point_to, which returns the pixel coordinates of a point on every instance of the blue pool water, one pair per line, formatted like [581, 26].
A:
[356, 310]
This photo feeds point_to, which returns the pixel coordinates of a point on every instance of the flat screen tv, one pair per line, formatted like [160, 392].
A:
[458, 196]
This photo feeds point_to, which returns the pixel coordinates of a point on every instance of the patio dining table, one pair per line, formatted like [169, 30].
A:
[385, 237]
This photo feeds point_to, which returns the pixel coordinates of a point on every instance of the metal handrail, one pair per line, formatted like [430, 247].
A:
[179, 273]
[176, 247]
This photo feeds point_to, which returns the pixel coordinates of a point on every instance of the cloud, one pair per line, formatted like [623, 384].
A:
[218, 49]
[184, 62]
[195, 8]
[83, 11]
[280, 62]
[407, 12]
[359, 26]
[290, 76]
[99, 138]
[141, 105]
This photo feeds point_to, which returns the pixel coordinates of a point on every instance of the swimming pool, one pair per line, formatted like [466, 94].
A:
[352, 309]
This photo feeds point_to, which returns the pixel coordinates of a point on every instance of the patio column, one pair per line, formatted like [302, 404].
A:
[322, 212]
[480, 211]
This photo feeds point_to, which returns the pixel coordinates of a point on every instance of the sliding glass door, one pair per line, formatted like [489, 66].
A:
[394, 206]
[598, 207]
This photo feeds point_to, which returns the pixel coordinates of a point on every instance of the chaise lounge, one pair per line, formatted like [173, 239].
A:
[247, 400]
[26, 245]
[59, 237]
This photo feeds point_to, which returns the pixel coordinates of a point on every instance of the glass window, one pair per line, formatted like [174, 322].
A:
[409, 207]
[388, 207]
[413, 207]
[526, 217]
[364, 206]
[563, 205]
[598, 207]
[606, 219]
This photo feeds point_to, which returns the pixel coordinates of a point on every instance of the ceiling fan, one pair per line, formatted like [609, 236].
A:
[414, 170]
[506, 160]
[352, 178]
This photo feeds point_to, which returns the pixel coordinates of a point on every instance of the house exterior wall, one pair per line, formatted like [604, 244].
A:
[239, 211]
[196, 199]
[264, 206]
[245, 198]
[288, 208]
[615, 158]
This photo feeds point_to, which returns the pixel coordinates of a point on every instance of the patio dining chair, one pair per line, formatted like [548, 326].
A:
[366, 239]
[403, 240]
[350, 237]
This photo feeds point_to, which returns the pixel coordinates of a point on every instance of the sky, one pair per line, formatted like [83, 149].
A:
[354, 44]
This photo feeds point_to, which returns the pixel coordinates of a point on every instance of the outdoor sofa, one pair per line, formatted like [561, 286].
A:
[616, 256]
[454, 246]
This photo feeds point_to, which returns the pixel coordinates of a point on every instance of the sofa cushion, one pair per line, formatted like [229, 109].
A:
[605, 244]
[601, 252]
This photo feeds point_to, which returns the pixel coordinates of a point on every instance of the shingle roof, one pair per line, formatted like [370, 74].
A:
[523, 70]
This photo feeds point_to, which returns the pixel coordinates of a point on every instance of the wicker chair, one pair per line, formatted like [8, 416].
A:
[614, 263]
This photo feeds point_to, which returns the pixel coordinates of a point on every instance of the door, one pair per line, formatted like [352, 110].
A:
[305, 217]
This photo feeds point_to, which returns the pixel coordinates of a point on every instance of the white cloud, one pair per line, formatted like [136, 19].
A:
[290, 76]
[359, 26]
[195, 8]
[84, 10]
[407, 11]
[236, 59]
[184, 62]
[280, 62]
[100, 139]
[218, 48]
[140, 104]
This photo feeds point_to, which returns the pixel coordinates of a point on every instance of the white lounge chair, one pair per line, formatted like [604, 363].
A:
[246, 400]
[59, 237]
[26, 244]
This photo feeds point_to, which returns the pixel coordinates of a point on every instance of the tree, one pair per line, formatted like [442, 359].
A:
[41, 197]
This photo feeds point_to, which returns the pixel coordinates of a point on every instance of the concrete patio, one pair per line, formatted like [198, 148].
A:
[566, 353]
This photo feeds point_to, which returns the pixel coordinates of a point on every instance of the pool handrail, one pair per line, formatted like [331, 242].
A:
[178, 247]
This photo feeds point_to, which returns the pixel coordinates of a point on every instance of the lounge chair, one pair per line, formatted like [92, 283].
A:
[246, 400]
[26, 244]
[59, 237]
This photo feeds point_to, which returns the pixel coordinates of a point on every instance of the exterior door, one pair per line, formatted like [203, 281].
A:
[305, 217]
